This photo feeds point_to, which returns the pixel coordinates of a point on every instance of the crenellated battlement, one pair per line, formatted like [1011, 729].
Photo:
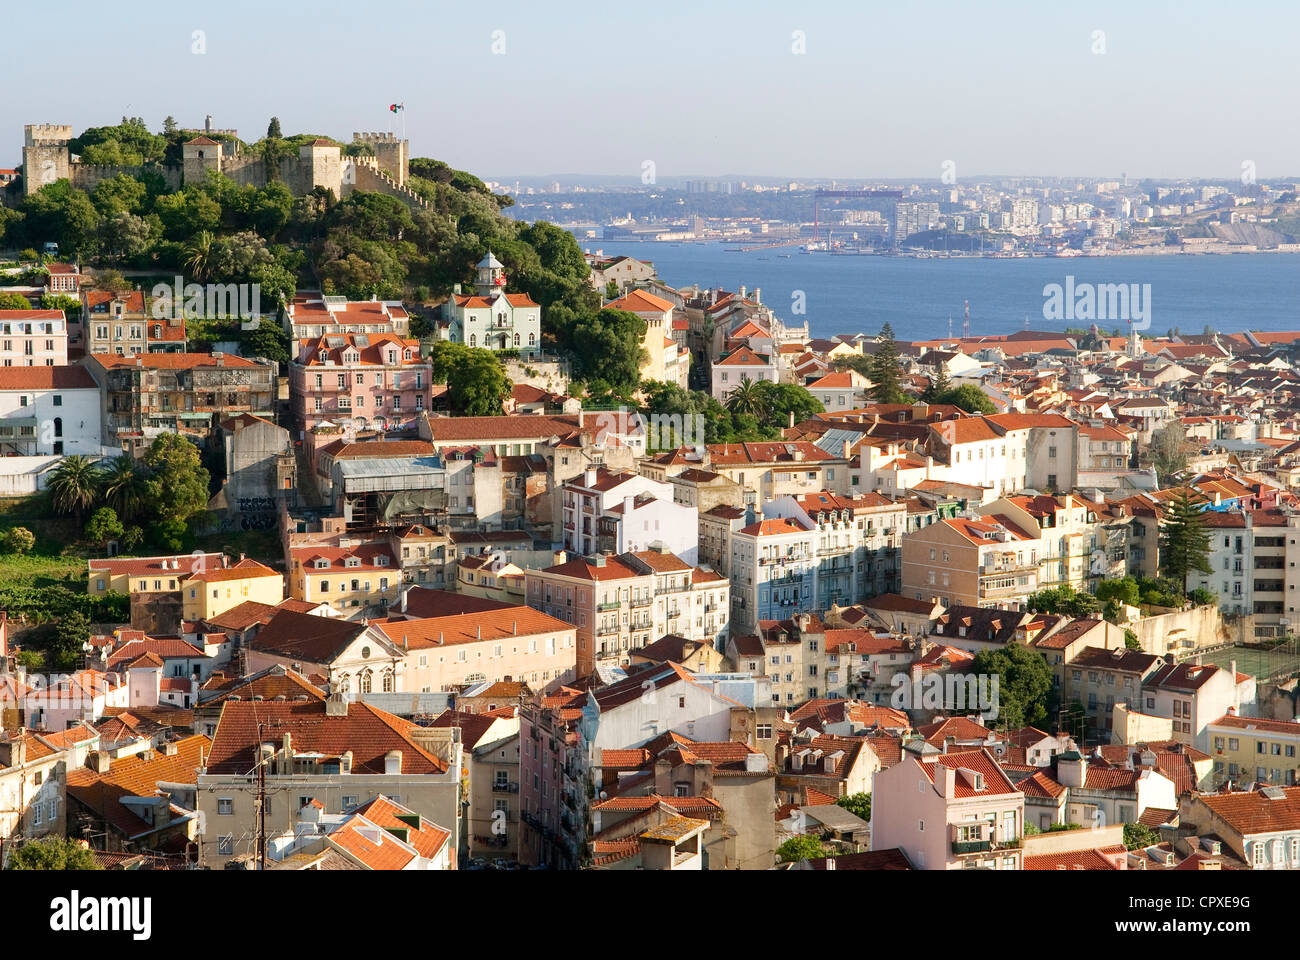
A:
[375, 138]
[46, 133]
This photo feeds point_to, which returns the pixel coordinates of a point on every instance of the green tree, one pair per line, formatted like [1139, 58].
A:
[19, 540]
[1184, 544]
[746, 398]
[1139, 835]
[70, 637]
[74, 485]
[858, 804]
[968, 397]
[1123, 590]
[1063, 601]
[103, 526]
[780, 401]
[52, 853]
[268, 340]
[178, 485]
[801, 848]
[125, 487]
[478, 386]
[1131, 641]
[1024, 682]
[14, 301]
[883, 367]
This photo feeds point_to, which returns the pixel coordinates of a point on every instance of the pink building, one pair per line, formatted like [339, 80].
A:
[33, 338]
[948, 811]
[359, 380]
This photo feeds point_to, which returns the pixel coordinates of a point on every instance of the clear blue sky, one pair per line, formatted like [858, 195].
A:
[701, 88]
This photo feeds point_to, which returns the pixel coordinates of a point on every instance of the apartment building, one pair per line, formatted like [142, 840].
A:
[509, 643]
[1254, 749]
[837, 392]
[114, 322]
[149, 394]
[615, 512]
[978, 562]
[1065, 526]
[1098, 679]
[359, 379]
[311, 316]
[948, 811]
[1262, 827]
[773, 568]
[49, 411]
[767, 471]
[665, 362]
[33, 338]
[859, 543]
[356, 581]
[622, 603]
[33, 786]
[209, 593]
[330, 752]
[1249, 555]
[738, 366]
[554, 778]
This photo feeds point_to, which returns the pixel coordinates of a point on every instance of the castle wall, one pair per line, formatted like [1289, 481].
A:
[378, 181]
[87, 176]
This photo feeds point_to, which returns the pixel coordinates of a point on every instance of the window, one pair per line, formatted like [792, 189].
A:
[765, 731]
[225, 806]
[226, 846]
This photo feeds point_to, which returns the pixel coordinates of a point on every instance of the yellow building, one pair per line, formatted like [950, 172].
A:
[209, 593]
[356, 581]
[131, 575]
[1246, 749]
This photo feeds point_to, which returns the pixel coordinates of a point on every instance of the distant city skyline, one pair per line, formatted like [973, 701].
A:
[1014, 89]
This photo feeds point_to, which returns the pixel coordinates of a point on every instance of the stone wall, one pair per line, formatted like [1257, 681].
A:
[551, 375]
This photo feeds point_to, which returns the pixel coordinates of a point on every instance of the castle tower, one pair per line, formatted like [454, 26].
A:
[391, 154]
[46, 157]
[322, 162]
[198, 156]
[491, 276]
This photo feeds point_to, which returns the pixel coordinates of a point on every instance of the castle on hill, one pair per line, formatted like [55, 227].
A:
[47, 158]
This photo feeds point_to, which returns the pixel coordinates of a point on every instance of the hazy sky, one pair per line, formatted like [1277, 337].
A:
[700, 88]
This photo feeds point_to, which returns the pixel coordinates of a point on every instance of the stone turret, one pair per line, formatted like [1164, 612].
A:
[46, 157]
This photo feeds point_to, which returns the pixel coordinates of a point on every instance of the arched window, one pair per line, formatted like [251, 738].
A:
[516, 339]
[365, 681]
[388, 681]
[532, 339]
[473, 339]
[345, 684]
[58, 426]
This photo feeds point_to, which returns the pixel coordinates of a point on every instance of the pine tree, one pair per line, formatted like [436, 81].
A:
[884, 369]
[273, 129]
[1184, 544]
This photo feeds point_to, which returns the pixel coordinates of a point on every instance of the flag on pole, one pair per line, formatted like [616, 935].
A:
[394, 107]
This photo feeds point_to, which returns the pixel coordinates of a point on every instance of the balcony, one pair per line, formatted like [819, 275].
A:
[963, 847]
[499, 787]
[611, 605]
[641, 601]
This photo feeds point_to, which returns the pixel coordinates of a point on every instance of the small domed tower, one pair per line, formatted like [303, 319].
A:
[491, 276]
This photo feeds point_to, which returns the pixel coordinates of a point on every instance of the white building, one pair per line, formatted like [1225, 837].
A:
[492, 318]
[594, 495]
[48, 411]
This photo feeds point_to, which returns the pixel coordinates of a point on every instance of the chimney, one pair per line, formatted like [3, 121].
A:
[946, 779]
[13, 752]
[169, 747]
[1071, 769]
[393, 763]
[99, 761]
[629, 504]
[589, 479]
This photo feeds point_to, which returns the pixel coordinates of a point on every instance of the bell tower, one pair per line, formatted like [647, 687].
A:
[491, 276]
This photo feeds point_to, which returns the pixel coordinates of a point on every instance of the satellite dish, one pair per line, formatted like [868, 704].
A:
[604, 795]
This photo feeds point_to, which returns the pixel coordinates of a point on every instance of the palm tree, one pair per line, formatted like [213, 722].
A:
[198, 255]
[746, 397]
[74, 485]
[125, 487]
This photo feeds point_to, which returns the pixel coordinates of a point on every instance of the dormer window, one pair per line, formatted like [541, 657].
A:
[322, 356]
[322, 563]
[381, 561]
[353, 562]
